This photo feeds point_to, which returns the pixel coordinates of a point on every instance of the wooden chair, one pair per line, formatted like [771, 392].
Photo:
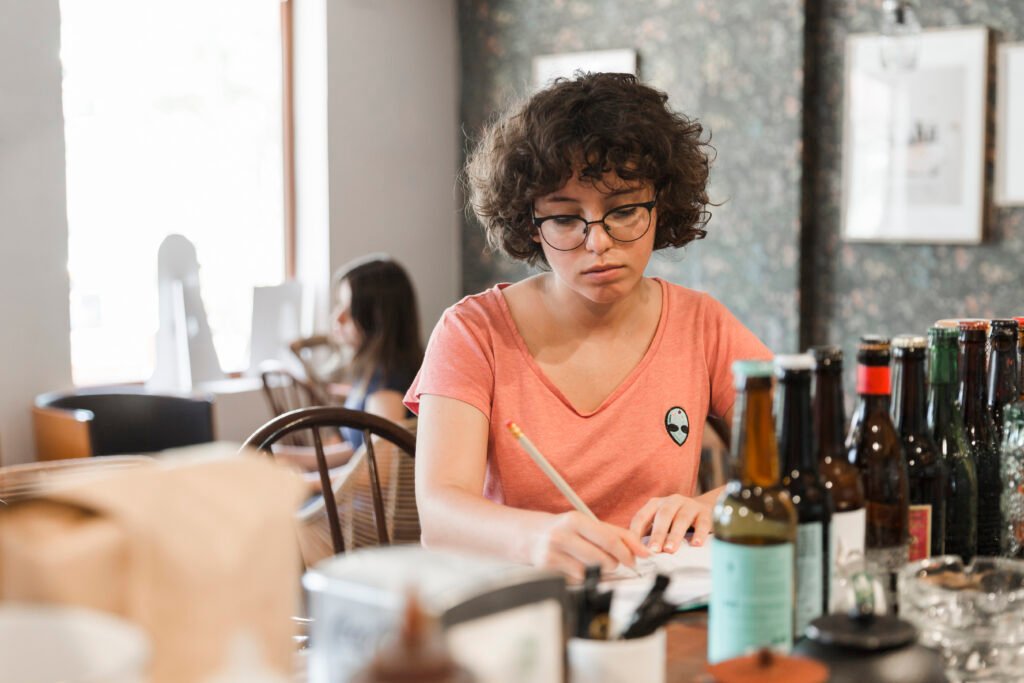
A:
[118, 421]
[321, 359]
[373, 503]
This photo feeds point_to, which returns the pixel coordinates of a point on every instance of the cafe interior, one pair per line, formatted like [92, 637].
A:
[180, 185]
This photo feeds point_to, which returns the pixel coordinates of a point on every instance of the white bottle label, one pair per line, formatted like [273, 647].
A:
[847, 547]
[810, 563]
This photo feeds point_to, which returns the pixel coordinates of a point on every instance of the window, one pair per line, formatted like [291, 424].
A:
[172, 115]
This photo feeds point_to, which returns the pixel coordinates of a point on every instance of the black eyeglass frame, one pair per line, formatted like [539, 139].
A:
[537, 220]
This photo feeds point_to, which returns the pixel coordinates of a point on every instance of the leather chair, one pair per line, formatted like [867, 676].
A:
[118, 420]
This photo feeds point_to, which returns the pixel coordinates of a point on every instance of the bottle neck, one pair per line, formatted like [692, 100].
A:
[909, 395]
[971, 390]
[1002, 372]
[756, 454]
[873, 387]
[794, 426]
[942, 388]
[829, 413]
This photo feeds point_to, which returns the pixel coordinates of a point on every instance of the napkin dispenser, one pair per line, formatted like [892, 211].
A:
[504, 622]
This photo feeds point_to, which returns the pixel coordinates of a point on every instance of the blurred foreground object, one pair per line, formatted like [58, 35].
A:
[195, 550]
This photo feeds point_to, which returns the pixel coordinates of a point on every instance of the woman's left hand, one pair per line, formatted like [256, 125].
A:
[669, 518]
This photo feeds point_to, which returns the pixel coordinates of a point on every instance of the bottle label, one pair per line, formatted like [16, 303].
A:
[873, 379]
[810, 565]
[847, 545]
[920, 521]
[751, 599]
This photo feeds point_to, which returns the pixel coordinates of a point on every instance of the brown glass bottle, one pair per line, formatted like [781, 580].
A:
[842, 479]
[1002, 370]
[925, 466]
[980, 433]
[806, 488]
[874, 446]
[947, 427]
[752, 550]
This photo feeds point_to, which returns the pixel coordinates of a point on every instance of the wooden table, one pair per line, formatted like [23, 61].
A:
[687, 656]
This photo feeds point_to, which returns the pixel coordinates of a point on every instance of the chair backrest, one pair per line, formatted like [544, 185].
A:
[285, 393]
[377, 492]
[130, 420]
[321, 359]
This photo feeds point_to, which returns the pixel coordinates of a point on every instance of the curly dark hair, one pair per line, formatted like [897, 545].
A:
[590, 125]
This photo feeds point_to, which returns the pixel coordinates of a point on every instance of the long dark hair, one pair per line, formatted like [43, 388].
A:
[384, 309]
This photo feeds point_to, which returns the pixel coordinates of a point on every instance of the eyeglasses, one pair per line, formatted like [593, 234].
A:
[626, 223]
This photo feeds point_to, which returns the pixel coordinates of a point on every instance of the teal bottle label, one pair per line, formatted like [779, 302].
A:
[751, 599]
[810, 574]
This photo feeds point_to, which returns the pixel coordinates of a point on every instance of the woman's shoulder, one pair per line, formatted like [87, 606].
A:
[482, 307]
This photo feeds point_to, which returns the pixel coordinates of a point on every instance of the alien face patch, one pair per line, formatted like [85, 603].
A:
[677, 424]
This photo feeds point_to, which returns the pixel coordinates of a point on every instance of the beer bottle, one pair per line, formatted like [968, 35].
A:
[1020, 358]
[925, 465]
[841, 478]
[806, 489]
[1002, 370]
[980, 433]
[874, 446]
[754, 521]
[947, 428]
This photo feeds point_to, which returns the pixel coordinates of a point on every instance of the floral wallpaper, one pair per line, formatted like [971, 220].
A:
[734, 65]
[892, 289]
[738, 66]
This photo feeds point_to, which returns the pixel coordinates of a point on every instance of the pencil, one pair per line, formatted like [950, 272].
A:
[556, 479]
[547, 469]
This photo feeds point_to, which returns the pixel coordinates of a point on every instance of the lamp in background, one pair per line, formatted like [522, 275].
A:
[900, 35]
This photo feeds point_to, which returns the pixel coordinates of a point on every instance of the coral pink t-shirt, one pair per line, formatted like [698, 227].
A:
[643, 441]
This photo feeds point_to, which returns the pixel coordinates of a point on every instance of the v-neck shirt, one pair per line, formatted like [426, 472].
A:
[642, 441]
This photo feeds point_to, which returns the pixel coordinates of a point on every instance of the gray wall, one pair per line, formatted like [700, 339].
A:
[36, 350]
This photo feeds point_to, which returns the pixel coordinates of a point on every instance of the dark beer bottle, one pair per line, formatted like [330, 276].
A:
[874, 446]
[925, 465]
[806, 489]
[980, 433]
[1002, 370]
[754, 521]
[947, 427]
[841, 478]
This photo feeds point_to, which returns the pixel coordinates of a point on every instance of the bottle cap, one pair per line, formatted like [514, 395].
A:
[909, 341]
[973, 330]
[1003, 329]
[793, 364]
[873, 342]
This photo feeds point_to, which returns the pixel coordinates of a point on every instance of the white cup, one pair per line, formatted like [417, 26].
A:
[618, 661]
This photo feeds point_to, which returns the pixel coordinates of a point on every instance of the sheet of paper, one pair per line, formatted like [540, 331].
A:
[690, 571]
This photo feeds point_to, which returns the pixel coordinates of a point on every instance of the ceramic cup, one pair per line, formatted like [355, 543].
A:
[618, 661]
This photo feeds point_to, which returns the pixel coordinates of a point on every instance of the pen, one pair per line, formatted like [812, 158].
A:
[556, 479]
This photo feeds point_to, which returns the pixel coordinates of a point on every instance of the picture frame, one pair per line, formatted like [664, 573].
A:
[546, 68]
[914, 137]
[1009, 187]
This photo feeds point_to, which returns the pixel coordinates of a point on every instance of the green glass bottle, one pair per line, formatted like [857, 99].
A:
[752, 550]
[947, 428]
[806, 488]
[925, 465]
[876, 449]
[980, 433]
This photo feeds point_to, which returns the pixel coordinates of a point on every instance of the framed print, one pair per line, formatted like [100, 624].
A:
[546, 68]
[914, 138]
[1010, 126]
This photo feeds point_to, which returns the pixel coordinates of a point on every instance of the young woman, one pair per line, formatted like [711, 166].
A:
[376, 318]
[611, 374]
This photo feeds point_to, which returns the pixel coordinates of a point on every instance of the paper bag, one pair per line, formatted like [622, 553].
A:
[195, 550]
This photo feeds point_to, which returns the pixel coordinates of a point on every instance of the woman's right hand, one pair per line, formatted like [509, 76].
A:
[571, 541]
